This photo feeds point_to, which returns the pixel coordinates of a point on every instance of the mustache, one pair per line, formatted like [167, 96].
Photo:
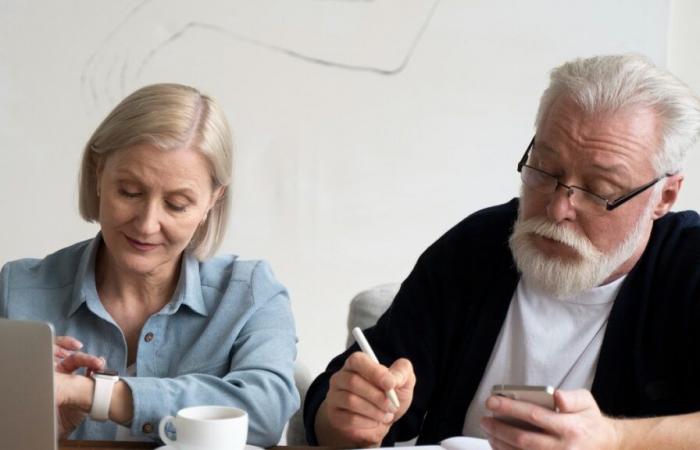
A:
[542, 227]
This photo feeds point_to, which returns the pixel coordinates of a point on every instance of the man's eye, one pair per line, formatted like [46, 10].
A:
[603, 190]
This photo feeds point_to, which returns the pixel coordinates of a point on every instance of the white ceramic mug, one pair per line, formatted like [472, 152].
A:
[207, 428]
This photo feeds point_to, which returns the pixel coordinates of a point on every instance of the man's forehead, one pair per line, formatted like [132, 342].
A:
[631, 135]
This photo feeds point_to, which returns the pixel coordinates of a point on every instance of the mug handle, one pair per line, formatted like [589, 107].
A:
[161, 430]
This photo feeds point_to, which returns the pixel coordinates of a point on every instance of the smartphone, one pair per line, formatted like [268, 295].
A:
[538, 395]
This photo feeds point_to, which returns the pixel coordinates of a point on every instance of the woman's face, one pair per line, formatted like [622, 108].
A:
[151, 203]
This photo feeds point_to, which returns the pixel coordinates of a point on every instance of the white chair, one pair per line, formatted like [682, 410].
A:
[365, 309]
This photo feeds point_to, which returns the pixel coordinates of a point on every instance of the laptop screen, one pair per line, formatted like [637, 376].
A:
[27, 417]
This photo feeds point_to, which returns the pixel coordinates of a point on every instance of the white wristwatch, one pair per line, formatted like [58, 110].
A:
[102, 396]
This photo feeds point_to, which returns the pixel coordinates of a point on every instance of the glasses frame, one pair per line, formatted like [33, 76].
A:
[609, 204]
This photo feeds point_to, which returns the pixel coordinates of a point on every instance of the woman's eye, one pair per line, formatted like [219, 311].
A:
[129, 194]
[176, 208]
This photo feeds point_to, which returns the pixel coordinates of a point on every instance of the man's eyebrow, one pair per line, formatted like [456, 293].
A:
[542, 146]
[612, 171]
[615, 167]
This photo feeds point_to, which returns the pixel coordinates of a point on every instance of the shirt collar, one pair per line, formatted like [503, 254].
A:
[189, 287]
[85, 290]
[188, 291]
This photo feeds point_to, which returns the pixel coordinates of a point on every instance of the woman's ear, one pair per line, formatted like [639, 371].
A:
[217, 195]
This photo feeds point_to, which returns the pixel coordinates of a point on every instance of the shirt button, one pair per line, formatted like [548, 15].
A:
[148, 337]
[147, 428]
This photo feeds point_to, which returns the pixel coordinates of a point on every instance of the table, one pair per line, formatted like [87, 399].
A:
[116, 445]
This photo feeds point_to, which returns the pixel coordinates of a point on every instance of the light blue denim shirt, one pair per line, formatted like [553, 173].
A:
[227, 337]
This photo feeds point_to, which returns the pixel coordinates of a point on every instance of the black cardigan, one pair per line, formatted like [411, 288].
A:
[449, 311]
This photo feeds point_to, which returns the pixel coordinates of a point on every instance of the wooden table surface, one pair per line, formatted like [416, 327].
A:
[116, 445]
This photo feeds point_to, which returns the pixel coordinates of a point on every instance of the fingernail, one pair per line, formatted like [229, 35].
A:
[493, 402]
[388, 418]
[485, 424]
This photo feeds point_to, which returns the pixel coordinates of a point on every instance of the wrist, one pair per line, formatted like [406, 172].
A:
[121, 409]
[83, 389]
[620, 432]
[103, 382]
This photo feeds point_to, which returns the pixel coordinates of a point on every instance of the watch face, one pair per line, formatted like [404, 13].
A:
[107, 373]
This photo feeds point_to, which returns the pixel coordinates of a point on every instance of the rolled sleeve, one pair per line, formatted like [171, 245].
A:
[260, 379]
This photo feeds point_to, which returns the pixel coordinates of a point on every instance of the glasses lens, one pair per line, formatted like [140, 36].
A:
[587, 202]
[537, 180]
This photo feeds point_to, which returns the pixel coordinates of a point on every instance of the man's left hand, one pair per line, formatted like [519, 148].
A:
[577, 424]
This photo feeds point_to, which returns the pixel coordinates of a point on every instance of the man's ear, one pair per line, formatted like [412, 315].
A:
[669, 194]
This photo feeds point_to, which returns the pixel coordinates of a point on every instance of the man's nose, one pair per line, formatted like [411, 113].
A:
[560, 206]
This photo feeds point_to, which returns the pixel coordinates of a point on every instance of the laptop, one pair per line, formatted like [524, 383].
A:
[27, 413]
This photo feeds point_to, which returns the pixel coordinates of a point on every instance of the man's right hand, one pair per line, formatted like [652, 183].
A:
[356, 411]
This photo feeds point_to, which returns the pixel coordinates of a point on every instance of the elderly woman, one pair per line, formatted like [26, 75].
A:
[144, 297]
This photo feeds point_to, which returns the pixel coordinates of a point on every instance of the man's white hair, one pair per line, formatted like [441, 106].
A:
[615, 82]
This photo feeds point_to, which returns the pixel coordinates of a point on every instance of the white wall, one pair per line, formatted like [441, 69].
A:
[344, 172]
[684, 62]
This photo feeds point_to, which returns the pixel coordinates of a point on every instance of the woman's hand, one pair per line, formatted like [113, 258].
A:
[64, 346]
[73, 392]
[73, 397]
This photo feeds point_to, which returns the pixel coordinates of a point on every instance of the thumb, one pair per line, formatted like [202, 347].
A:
[402, 371]
[574, 401]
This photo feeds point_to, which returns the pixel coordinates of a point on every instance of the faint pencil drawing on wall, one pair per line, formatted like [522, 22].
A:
[371, 36]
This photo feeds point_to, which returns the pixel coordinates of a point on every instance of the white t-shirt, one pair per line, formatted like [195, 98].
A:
[545, 341]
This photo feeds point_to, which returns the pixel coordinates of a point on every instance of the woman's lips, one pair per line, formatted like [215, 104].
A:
[141, 246]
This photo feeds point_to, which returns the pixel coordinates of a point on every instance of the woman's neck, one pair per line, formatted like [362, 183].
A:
[149, 291]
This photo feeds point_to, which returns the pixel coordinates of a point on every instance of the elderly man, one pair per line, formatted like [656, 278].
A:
[586, 283]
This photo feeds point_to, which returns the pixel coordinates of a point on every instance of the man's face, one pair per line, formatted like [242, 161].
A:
[608, 154]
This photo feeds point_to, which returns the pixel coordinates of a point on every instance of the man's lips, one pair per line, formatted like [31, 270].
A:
[139, 245]
[554, 245]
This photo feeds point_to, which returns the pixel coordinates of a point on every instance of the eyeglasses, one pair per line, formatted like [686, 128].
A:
[582, 199]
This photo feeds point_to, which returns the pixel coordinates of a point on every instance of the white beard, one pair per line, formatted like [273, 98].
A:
[566, 278]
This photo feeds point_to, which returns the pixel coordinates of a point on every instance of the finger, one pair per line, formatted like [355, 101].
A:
[402, 370]
[347, 420]
[347, 401]
[79, 360]
[60, 352]
[497, 444]
[68, 343]
[574, 401]
[509, 435]
[354, 383]
[527, 412]
[360, 430]
[375, 373]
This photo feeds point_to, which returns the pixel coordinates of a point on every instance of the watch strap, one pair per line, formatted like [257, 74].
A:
[102, 396]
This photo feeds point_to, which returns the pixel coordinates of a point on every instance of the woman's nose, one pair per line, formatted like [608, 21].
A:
[148, 221]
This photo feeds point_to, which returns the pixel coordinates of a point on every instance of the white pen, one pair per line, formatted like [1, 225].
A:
[364, 345]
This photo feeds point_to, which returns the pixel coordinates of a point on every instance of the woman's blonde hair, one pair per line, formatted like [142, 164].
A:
[169, 117]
